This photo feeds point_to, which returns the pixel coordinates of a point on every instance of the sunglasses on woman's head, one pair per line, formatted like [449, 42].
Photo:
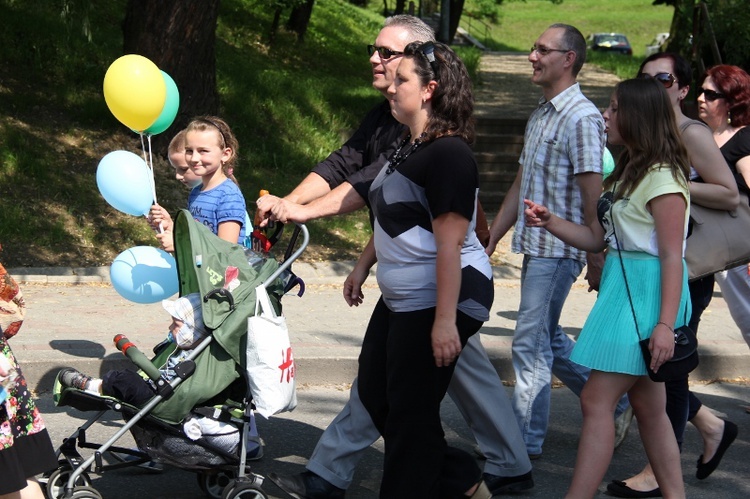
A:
[428, 50]
[711, 95]
[384, 53]
[666, 79]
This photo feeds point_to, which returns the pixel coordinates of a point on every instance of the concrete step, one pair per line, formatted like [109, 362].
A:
[511, 126]
[498, 142]
[498, 146]
[497, 159]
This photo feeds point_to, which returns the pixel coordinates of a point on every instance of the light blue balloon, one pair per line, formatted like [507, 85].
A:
[608, 163]
[124, 180]
[144, 274]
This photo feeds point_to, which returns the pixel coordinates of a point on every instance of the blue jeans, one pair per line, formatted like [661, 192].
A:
[541, 348]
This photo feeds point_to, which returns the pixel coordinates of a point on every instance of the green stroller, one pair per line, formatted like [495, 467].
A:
[212, 382]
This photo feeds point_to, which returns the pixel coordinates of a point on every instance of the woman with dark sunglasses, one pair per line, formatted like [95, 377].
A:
[725, 106]
[435, 278]
[711, 185]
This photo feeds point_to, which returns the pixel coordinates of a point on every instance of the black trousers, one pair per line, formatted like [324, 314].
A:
[402, 388]
[682, 404]
[127, 386]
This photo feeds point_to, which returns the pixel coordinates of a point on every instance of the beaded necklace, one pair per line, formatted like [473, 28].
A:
[400, 155]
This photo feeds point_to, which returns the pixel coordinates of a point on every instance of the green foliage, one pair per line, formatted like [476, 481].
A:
[471, 56]
[289, 105]
[731, 24]
[486, 10]
[623, 67]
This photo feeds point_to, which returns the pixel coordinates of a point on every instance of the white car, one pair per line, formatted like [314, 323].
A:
[656, 45]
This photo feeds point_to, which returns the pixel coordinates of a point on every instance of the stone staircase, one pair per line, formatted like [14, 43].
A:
[497, 149]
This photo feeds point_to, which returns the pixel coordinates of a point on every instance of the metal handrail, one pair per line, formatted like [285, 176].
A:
[472, 19]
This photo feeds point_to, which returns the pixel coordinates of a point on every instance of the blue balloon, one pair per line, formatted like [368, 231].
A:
[124, 180]
[144, 274]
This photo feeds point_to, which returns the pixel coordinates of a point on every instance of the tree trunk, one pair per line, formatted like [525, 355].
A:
[275, 25]
[179, 36]
[681, 28]
[300, 18]
[457, 8]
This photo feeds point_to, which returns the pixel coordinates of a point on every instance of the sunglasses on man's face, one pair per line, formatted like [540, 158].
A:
[384, 53]
[711, 95]
[666, 79]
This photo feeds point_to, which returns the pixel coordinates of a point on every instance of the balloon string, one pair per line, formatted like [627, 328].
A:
[143, 149]
[151, 166]
[153, 178]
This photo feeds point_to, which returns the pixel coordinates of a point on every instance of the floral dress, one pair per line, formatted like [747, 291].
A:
[25, 446]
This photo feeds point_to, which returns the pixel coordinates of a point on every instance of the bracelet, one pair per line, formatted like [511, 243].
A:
[668, 326]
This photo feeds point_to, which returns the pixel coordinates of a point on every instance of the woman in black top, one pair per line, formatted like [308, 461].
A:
[433, 273]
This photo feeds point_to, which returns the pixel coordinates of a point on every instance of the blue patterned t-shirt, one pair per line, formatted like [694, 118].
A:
[223, 203]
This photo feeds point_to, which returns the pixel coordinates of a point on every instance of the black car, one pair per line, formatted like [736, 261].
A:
[610, 42]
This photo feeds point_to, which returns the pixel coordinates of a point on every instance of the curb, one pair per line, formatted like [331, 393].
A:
[311, 273]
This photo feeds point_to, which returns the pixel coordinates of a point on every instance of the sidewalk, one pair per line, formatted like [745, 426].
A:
[73, 314]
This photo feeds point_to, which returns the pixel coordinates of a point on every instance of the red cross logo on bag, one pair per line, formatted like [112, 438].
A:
[287, 362]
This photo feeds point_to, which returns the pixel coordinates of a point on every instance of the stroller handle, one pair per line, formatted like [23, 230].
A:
[288, 261]
[131, 351]
[222, 292]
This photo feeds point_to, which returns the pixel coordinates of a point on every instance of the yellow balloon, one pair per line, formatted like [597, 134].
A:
[135, 91]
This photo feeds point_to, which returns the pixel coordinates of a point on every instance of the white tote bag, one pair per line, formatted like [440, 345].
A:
[270, 363]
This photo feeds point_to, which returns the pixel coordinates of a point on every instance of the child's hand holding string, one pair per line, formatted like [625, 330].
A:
[159, 219]
[166, 240]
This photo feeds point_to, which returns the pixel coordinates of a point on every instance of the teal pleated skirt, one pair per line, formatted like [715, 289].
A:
[608, 341]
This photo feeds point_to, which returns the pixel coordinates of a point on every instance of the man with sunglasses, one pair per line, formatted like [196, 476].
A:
[561, 165]
[476, 388]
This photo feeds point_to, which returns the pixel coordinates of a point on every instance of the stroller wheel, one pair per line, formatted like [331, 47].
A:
[249, 479]
[213, 483]
[59, 479]
[246, 491]
[86, 493]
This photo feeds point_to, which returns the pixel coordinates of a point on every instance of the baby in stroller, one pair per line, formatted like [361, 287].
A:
[185, 332]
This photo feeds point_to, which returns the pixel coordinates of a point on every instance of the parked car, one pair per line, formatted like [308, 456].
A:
[657, 45]
[610, 42]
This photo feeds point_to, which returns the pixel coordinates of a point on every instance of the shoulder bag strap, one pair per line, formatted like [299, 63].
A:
[622, 265]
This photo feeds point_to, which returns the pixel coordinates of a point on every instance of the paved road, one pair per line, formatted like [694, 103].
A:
[73, 325]
[291, 437]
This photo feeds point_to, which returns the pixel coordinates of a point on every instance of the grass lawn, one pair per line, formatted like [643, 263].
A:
[521, 22]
